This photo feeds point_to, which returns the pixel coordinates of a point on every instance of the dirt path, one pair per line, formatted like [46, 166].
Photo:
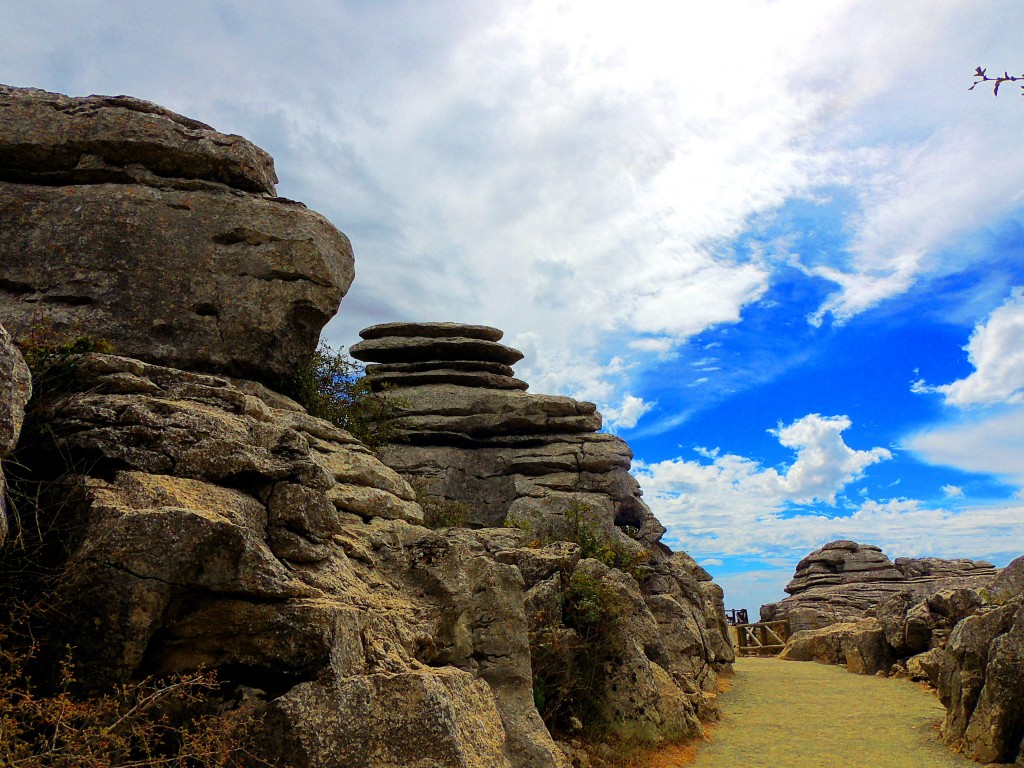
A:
[779, 714]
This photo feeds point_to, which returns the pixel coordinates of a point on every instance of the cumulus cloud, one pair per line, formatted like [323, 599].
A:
[732, 486]
[997, 354]
[725, 505]
[628, 413]
[953, 491]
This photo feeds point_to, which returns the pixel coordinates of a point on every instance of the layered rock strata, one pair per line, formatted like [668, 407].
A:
[208, 521]
[844, 580]
[126, 221]
[469, 434]
[508, 454]
[15, 391]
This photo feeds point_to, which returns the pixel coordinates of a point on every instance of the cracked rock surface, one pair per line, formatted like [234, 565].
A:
[222, 526]
[125, 221]
[538, 463]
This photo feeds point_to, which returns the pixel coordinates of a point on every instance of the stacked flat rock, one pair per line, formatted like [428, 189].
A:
[125, 221]
[411, 354]
[470, 437]
[844, 580]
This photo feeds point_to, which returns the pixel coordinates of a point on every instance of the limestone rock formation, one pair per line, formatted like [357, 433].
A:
[860, 646]
[225, 527]
[844, 580]
[110, 203]
[981, 680]
[469, 435]
[968, 643]
[15, 391]
[506, 453]
[204, 520]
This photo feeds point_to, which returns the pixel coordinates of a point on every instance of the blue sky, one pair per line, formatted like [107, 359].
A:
[777, 241]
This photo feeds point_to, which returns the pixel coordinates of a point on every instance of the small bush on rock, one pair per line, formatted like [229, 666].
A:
[568, 658]
[330, 386]
[440, 511]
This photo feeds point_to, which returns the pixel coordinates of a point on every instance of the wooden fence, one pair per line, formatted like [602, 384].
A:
[767, 638]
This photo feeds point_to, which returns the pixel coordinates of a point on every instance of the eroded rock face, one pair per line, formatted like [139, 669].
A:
[225, 527]
[981, 684]
[127, 222]
[844, 580]
[15, 391]
[471, 435]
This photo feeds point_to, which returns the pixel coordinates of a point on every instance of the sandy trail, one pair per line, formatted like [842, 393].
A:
[785, 714]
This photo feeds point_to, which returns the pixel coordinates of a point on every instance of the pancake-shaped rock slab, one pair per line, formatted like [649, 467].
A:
[432, 331]
[500, 369]
[408, 349]
[50, 138]
[446, 376]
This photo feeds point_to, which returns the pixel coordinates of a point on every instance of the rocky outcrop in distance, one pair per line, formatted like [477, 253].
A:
[843, 580]
[966, 642]
[206, 520]
[128, 222]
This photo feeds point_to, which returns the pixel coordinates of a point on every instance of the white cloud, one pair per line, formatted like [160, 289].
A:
[953, 491]
[989, 443]
[575, 170]
[730, 506]
[733, 499]
[628, 413]
[996, 351]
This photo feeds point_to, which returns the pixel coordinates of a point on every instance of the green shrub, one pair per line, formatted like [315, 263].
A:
[441, 512]
[330, 386]
[568, 659]
[578, 527]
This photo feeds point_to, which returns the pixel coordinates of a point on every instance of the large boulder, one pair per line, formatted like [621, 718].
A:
[860, 646]
[127, 222]
[844, 581]
[223, 527]
[15, 391]
[981, 684]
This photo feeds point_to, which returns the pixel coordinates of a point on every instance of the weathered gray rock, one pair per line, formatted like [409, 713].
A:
[476, 366]
[926, 666]
[15, 391]
[405, 349]
[966, 672]
[865, 650]
[447, 376]
[215, 535]
[538, 463]
[126, 222]
[823, 645]
[843, 580]
[997, 723]
[1007, 586]
[860, 646]
[55, 140]
[432, 331]
[842, 562]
